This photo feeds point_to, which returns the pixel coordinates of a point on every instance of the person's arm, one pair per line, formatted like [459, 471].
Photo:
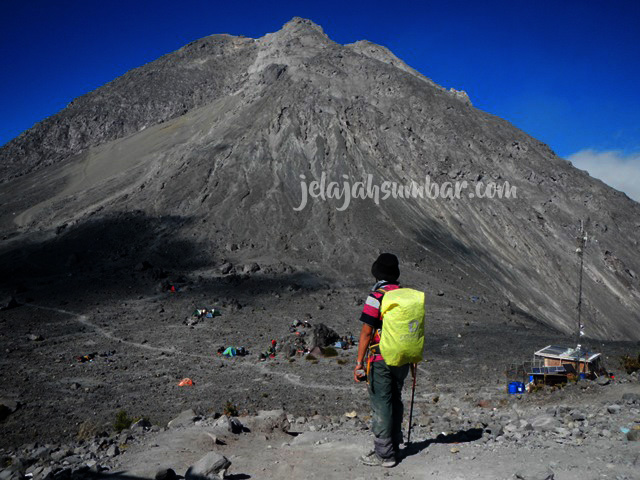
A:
[366, 335]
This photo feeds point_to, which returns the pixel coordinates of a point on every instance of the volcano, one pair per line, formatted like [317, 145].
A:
[206, 157]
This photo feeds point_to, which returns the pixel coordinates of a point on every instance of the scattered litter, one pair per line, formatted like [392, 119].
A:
[625, 430]
[206, 312]
[89, 357]
[345, 342]
[167, 286]
[475, 298]
[271, 352]
[352, 414]
[298, 324]
[455, 450]
[86, 358]
[185, 382]
[232, 351]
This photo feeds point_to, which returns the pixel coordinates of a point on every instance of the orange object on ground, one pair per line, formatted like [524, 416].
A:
[186, 382]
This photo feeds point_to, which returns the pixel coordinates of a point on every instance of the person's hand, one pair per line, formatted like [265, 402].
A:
[358, 370]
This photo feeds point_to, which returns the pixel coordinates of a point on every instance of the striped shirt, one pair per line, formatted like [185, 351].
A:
[371, 310]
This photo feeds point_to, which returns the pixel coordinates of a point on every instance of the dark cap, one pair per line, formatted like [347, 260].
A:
[386, 267]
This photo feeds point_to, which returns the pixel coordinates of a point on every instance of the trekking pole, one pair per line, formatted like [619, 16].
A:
[413, 393]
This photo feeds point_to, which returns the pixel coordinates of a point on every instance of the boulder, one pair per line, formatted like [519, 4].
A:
[613, 409]
[166, 474]
[251, 268]
[41, 453]
[10, 474]
[631, 397]
[577, 415]
[35, 471]
[226, 268]
[544, 423]
[7, 407]
[535, 473]
[46, 472]
[113, 451]
[212, 466]
[63, 452]
[236, 425]
[322, 336]
[141, 424]
[268, 421]
[226, 424]
[186, 418]
[633, 435]
[75, 459]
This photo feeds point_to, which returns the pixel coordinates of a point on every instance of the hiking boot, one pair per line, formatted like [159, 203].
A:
[374, 460]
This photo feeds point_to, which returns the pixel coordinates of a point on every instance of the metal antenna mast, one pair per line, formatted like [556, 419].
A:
[582, 241]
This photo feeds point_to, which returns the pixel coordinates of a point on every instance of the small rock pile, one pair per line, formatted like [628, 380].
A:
[71, 460]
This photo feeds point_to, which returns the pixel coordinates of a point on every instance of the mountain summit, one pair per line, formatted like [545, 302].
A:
[221, 135]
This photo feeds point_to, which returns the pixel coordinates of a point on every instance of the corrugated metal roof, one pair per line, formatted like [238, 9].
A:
[567, 353]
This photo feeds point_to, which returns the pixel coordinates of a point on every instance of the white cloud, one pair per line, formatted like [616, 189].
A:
[613, 167]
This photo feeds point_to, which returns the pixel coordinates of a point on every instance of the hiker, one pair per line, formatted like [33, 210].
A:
[385, 381]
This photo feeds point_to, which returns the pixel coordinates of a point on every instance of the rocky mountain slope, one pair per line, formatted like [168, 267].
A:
[196, 158]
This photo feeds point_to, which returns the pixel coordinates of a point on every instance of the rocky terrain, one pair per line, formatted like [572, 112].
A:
[65, 408]
[174, 188]
[586, 430]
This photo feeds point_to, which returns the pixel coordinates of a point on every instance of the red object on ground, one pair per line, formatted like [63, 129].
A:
[186, 382]
[273, 342]
[173, 288]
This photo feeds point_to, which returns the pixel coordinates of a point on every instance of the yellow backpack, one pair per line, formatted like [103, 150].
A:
[402, 336]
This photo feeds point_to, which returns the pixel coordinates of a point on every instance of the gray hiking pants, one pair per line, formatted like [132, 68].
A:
[385, 395]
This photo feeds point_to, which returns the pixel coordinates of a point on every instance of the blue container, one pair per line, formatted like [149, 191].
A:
[583, 376]
[516, 387]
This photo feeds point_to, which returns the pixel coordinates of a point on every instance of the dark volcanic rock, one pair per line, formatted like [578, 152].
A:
[7, 407]
[166, 474]
[322, 336]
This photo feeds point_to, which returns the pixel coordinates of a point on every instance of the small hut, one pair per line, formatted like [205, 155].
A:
[554, 364]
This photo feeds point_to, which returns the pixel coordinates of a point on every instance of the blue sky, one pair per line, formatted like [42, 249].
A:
[565, 72]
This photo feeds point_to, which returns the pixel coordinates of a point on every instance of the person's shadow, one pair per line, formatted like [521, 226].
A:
[463, 436]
